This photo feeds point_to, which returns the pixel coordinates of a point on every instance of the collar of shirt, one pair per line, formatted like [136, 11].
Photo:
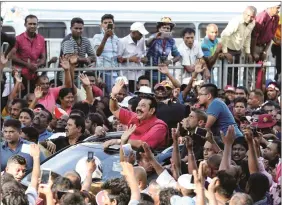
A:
[187, 48]
[130, 40]
[25, 35]
[45, 133]
[211, 42]
[5, 144]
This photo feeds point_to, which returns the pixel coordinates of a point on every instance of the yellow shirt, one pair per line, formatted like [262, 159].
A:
[277, 35]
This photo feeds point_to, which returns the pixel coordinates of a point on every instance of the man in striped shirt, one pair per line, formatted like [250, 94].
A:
[74, 43]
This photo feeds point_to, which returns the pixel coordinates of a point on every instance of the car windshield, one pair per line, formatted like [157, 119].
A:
[68, 158]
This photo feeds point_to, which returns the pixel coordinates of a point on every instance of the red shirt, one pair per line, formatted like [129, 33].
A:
[29, 49]
[265, 27]
[97, 92]
[153, 131]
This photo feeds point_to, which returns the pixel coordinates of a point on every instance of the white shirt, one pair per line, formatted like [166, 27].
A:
[165, 180]
[189, 56]
[237, 35]
[128, 48]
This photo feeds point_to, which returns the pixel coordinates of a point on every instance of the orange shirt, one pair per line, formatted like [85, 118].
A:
[277, 35]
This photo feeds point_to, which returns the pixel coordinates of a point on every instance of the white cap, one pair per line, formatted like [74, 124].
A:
[185, 181]
[138, 26]
[122, 78]
[81, 167]
[124, 103]
[145, 90]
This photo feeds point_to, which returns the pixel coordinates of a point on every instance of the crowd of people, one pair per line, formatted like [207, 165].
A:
[226, 143]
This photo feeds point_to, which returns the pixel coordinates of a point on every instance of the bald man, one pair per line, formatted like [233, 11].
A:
[236, 37]
[210, 45]
[241, 199]
[141, 176]
[154, 190]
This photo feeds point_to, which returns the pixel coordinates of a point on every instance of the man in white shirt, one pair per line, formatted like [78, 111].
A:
[190, 51]
[237, 36]
[132, 52]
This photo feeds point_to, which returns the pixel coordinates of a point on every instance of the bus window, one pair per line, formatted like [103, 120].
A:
[52, 29]
[203, 26]
[90, 31]
[122, 29]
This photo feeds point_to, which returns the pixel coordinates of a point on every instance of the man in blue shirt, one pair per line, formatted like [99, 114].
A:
[14, 145]
[219, 116]
[105, 45]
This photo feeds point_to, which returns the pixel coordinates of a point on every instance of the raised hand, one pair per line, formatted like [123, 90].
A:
[125, 136]
[73, 59]
[38, 92]
[84, 79]
[147, 152]
[163, 68]
[91, 166]
[230, 136]
[248, 134]
[65, 63]
[34, 150]
[175, 133]
[117, 87]
[17, 77]
[189, 143]
[127, 169]
[3, 60]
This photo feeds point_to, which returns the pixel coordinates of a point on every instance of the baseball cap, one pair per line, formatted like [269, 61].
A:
[138, 26]
[185, 181]
[157, 86]
[167, 83]
[229, 88]
[144, 90]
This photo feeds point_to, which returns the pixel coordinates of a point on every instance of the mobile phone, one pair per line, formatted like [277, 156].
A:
[127, 149]
[255, 131]
[90, 156]
[45, 176]
[110, 26]
[201, 132]
[166, 35]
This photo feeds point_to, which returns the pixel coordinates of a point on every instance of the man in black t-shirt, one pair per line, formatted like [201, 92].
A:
[74, 134]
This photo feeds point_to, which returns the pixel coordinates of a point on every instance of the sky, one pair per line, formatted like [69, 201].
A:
[149, 6]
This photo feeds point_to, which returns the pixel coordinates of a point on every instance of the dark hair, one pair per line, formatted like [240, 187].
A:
[90, 73]
[259, 94]
[13, 194]
[76, 20]
[134, 103]
[243, 88]
[146, 199]
[96, 118]
[64, 92]
[271, 103]
[241, 100]
[61, 184]
[41, 76]
[79, 122]
[29, 17]
[76, 112]
[75, 198]
[28, 111]
[107, 16]
[22, 102]
[227, 184]
[153, 103]
[143, 77]
[16, 124]
[50, 117]
[187, 30]
[31, 133]
[76, 184]
[258, 185]
[240, 141]
[84, 107]
[17, 159]
[201, 115]
[211, 88]
[166, 194]
[278, 143]
[159, 25]
[118, 190]
[59, 82]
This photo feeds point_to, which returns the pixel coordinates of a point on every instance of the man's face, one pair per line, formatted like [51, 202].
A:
[161, 92]
[137, 35]
[230, 95]
[143, 162]
[238, 152]
[11, 135]
[105, 23]
[268, 109]
[29, 98]
[203, 96]
[270, 152]
[18, 171]
[143, 83]
[192, 121]
[165, 28]
[143, 109]
[62, 122]
[208, 150]
[239, 109]
[249, 16]
[25, 119]
[189, 39]
[44, 84]
[271, 94]
[15, 110]
[121, 95]
[240, 93]
[77, 29]
[40, 120]
[71, 129]
[212, 32]
[253, 101]
[31, 25]
[274, 10]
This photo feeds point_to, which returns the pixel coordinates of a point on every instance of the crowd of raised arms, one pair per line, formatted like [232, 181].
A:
[226, 143]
